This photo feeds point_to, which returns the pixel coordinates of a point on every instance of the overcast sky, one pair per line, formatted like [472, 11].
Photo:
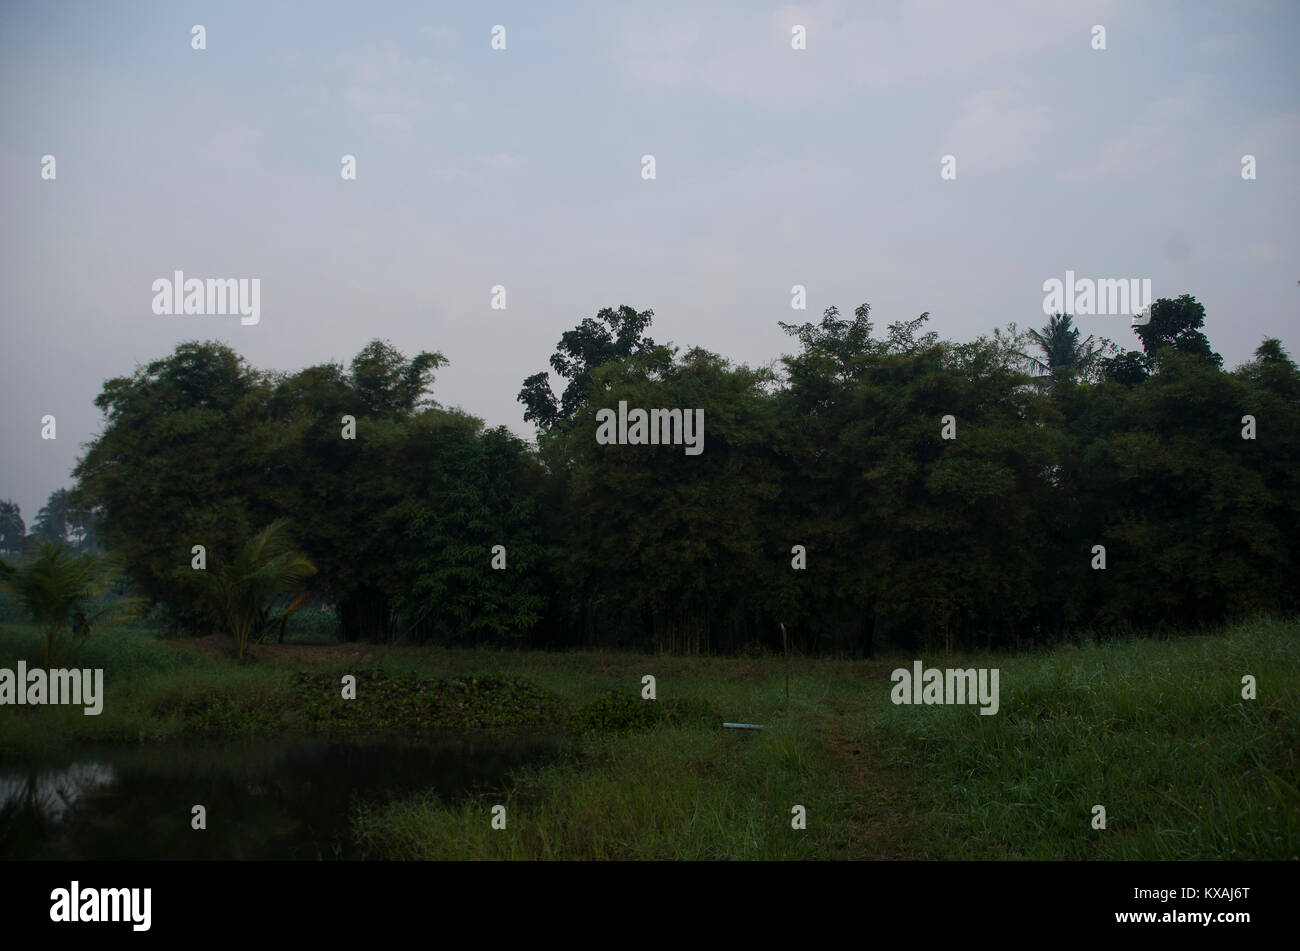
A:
[523, 167]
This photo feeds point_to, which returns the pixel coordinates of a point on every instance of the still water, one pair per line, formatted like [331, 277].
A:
[282, 799]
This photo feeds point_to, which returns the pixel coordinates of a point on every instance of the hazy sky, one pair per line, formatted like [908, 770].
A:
[522, 167]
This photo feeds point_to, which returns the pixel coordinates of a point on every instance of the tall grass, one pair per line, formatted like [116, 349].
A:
[1157, 732]
[145, 683]
[670, 793]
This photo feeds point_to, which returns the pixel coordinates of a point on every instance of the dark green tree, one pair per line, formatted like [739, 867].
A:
[911, 540]
[916, 539]
[1064, 356]
[181, 461]
[663, 549]
[388, 383]
[12, 529]
[1177, 323]
[611, 335]
[52, 520]
[352, 499]
[480, 491]
[1128, 369]
[83, 527]
[1159, 474]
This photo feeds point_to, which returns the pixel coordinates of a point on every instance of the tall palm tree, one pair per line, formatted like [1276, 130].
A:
[12, 528]
[58, 586]
[247, 593]
[52, 519]
[1064, 357]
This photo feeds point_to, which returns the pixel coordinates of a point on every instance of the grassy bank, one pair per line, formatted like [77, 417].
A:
[1155, 731]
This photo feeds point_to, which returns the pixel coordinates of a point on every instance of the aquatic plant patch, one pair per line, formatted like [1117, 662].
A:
[380, 700]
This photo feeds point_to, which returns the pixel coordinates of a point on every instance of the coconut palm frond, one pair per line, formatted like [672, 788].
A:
[243, 592]
[58, 585]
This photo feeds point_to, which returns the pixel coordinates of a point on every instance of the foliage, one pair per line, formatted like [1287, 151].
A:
[611, 335]
[52, 520]
[408, 701]
[1064, 356]
[56, 588]
[618, 711]
[834, 455]
[12, 528]
[260, 587]
[199, 449]
[1177, 323]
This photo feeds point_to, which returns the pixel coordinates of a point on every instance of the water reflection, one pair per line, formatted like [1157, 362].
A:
[49, 794]
[284, 799]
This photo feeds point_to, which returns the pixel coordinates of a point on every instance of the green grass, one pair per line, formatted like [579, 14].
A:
[670, 793]
[1154, 730]
[1157, 732]
[148, 683]
[674, 787]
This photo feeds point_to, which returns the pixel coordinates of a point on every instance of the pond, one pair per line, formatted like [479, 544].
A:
[280, 799]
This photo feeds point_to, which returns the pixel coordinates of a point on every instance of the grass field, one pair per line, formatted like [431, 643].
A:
[1156, 731]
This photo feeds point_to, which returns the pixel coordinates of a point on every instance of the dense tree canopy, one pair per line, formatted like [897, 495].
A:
[199, 449]
[1177, 324]
[611, 335]
[866, 491]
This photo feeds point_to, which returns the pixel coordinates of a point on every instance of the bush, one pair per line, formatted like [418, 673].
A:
[618, 711]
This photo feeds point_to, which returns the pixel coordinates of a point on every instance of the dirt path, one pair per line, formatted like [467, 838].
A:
[883, 805]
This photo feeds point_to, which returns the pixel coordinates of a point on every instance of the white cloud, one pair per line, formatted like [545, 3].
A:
[995, 131]
[386, 83]
[731, 51]
[1158, 136]
[503, 161]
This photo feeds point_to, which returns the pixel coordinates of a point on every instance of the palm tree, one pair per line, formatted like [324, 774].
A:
[12, 528]
[1065, 357]
[246, 593]
[58, 586]
[52, 520]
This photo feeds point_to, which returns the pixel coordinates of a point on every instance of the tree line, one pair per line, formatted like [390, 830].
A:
[867, 491]
[58, 521]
